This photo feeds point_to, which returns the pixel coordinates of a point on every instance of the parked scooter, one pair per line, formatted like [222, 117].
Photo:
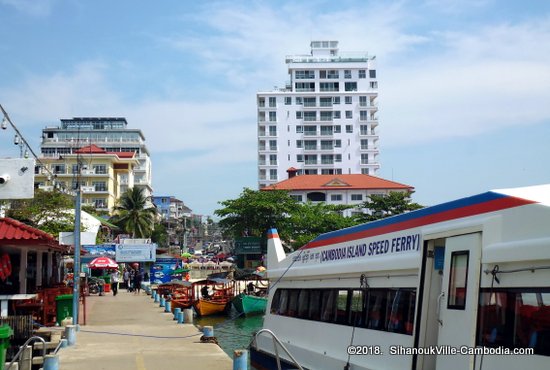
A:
[93, 285]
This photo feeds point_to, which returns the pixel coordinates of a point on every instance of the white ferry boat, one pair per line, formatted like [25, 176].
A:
[461, 285]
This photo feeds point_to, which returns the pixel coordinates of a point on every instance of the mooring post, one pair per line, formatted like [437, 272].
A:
[240, 359]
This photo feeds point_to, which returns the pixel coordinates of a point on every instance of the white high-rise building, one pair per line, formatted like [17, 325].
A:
[324, 121]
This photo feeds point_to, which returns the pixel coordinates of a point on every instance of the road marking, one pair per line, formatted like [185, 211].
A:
[140, 364]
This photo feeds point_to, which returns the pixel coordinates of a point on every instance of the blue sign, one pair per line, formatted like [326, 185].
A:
[100, 250]
[439, 258]
[161, 269]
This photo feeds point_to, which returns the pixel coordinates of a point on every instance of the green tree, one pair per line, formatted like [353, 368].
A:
[255, 211]
[131, 215]
[382, 206]
[160, 236]
[312, 219]
[49, 211]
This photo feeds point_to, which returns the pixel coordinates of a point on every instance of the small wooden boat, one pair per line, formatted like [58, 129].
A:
[249, 304]
[218, 301]
[182, 297]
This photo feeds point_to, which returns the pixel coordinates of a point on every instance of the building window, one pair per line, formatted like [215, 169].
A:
[310, 159]
[330, 86]
[348, 99]
[261, 116]
[302, 75]
[336, 197]
[337, 143]
[372, 73]
[272, 116]
[364, 129]
[349, 129]
[310, 116]
[299, 144]
[362, 73]
[347, 73]
[349, 114]
[288, 100]
[74, 168]
[261, 102]
[305, 86]
[338, 158]
[272, 144]
[335, 100]
[364, 158]
[99, 185]
[327, 144]
[310, 144]
[310, 102]
[364, 144]
[273, 174]
[272, 130]
[326, 130]
[350, 86]
[262, 175]
[299, 158]
[327, 171]
[272, 102]
[273, 159]
[100, 169]
[297, 198]
[326, 116]
[299, 129]
[362, 101]
[337, 129]
[299, 100]
[299, 115]
[327, 159]
[336, 114]
[363, 114]
[58, 168]
[325, 101]
[261, 160]
[364, 171]
[357, 197]
[374, 85]
[310, 130]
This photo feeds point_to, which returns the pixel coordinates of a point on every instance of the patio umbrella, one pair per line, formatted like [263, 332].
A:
[103, 263]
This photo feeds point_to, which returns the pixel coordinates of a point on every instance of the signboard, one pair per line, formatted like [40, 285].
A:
[106, 250]
[135, 252]
[248, 245]
[160, 271]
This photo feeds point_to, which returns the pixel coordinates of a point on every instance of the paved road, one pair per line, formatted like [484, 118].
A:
[132, 332]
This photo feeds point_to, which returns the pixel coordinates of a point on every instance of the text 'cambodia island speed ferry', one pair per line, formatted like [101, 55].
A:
[461, 285]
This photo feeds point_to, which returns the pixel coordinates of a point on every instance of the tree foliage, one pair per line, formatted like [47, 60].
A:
[312, 219]
[382, 206]
[49, 211]
[255, 211]
[131, 214]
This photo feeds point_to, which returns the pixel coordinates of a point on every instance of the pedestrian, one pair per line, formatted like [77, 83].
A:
[115, 277]
[131, 280]
[138, 278]
[126, 278]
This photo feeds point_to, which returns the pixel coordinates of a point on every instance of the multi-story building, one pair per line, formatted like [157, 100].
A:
[62, 144]
[344, 189]
[324, 121]
[174, 215]
[103, 176]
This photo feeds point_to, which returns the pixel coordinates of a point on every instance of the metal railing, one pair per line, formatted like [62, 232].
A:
[276, 342]
[18, 354]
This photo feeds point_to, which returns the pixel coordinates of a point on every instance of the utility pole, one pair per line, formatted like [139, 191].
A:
[76, 270]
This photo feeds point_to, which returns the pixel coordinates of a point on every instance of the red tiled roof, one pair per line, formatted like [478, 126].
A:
[328, 182]
[94, 149]
[16, 232]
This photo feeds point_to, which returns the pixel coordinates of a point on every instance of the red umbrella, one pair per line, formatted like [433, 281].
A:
[103, 263]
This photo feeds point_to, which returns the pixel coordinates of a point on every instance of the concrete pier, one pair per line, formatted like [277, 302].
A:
[132, 332]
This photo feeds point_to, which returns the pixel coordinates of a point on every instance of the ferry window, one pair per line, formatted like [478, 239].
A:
[303, 303]
[328, 305]
[514, 318]
[293, 302]
[341, 307]
[275, 301]
[356, 309]
[458, 279]
[283, 302]
[401, 311]
[315, 305]
[376, 309]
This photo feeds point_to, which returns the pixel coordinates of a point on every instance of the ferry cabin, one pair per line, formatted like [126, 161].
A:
[471, 275]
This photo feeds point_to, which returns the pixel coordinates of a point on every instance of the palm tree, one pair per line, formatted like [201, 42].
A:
[131, 215]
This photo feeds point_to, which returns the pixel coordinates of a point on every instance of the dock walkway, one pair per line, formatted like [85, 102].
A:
[132, 332]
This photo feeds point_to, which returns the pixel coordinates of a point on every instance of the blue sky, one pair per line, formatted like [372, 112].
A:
[464, 84]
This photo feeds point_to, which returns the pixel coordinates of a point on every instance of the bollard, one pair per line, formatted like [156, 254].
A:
[177, 311]
[157, 298]
[180, 317]
[208, 331]
[153, 294]
[162, 301]
[51, 362]
[188, 316]
[167, 306]
[240, 359]
[70, 334]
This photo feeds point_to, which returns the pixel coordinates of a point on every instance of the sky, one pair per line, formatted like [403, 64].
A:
[464, 85]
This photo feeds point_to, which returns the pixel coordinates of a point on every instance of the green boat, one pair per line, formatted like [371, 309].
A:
[249, 304]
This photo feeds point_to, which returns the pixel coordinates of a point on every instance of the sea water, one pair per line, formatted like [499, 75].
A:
[233, 331]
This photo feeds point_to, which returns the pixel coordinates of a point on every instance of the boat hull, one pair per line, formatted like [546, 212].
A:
[206, 307]
[249, 304]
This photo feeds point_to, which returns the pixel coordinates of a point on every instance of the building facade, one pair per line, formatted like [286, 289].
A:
[112, 157]
[325, 119]
[342, 189]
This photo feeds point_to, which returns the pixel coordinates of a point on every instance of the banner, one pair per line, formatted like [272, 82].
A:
[136, 252]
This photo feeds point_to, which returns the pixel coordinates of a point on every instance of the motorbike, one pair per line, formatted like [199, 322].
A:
[93, 285]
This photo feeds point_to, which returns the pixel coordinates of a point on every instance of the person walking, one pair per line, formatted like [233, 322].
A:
[115, 278]
[138, 277]
[126, 278]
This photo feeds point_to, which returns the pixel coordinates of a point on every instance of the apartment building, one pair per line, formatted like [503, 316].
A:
[112, 158]
[324, 121]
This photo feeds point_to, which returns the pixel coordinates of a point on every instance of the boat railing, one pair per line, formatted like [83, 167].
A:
[276, 342]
